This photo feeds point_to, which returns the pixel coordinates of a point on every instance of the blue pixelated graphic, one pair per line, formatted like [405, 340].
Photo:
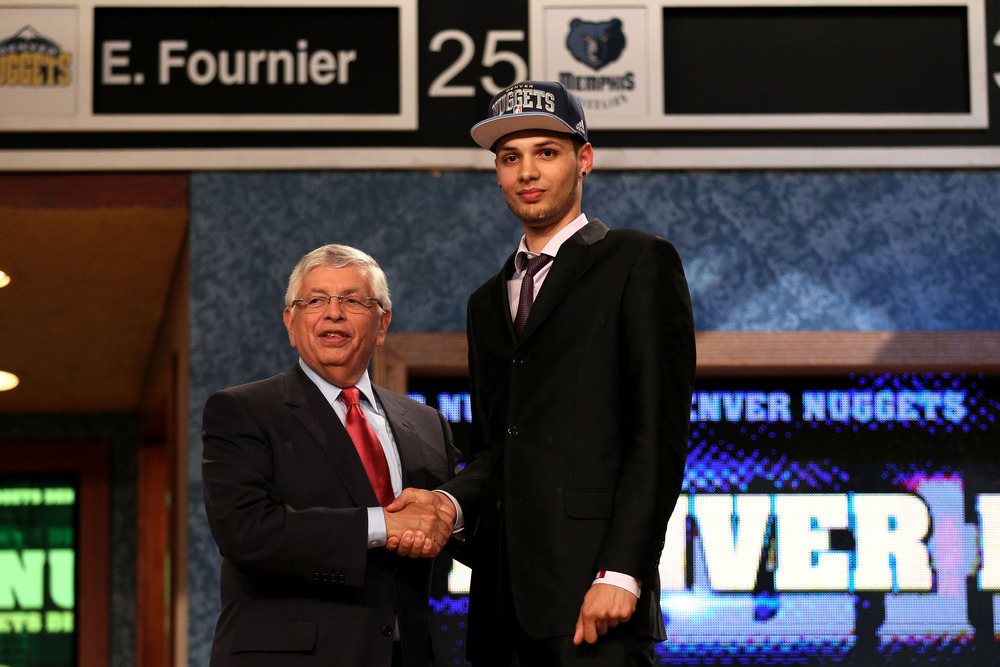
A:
[881, 457]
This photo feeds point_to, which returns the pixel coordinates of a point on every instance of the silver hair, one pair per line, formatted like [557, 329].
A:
[337, 256]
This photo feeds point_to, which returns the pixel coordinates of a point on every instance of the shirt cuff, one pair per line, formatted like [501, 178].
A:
[629, 583]
[377, 534]
[459, 517]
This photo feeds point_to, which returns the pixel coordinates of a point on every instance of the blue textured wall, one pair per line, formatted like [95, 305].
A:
[865, 250]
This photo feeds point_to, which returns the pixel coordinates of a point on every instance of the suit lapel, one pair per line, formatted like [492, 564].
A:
[501, 300]
[574, 259]
[408, 442]
[310, 408]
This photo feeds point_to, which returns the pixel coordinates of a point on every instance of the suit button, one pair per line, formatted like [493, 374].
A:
[499, 504]
[518, 362]
[386, 631]
[512, 432]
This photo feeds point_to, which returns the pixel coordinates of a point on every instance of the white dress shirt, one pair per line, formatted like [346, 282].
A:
[377, 534]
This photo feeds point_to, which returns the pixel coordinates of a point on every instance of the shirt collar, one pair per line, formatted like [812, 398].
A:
[332, 392]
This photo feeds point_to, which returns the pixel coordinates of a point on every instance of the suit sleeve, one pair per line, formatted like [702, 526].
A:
[658, 366]
[452, 453]
[253, 525]
[468, 488]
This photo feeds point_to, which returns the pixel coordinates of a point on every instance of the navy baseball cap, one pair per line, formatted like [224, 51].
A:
[531, 105]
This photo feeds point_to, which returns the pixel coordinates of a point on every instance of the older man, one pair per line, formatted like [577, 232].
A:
[297, 470]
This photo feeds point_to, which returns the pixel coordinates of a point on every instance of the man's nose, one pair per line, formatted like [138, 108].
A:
[528, 171]
[333, 309]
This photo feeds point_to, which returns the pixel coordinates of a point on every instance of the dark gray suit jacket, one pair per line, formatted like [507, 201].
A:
[580, 432]
[286, 496]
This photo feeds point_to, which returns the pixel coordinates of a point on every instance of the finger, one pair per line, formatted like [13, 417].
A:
[418, 544]
[578, 635]
[589, 632]
[405, 543]
[392, 543]
[401, 501]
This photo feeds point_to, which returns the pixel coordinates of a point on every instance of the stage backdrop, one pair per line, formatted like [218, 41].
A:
[867, 250]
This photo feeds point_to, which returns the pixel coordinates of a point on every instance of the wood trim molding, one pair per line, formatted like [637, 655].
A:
[95, 190]
[818, 352]
[724, 353]
[425, 354]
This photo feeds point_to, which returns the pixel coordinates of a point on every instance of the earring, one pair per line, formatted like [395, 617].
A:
[583, 174]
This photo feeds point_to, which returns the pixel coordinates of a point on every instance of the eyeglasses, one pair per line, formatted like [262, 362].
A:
[350, 303]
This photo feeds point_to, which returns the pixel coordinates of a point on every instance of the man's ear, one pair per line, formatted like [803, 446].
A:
[383, 326]
[289, 327]
[585, 158]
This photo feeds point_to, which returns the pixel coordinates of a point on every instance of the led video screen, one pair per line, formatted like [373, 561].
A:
[850, 519]
[38, 548]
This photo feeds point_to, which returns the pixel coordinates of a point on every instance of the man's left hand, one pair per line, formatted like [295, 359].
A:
[604, 606]
[409, 539]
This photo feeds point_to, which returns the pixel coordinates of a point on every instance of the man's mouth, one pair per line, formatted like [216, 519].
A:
[531, 195]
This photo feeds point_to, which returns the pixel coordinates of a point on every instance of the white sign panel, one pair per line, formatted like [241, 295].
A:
[39, 60]
[617, 56]
[144, 64]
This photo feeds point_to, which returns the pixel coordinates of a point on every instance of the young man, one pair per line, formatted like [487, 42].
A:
[297, 470]
[580, 411]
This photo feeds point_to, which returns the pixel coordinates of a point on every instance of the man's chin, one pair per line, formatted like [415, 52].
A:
[532, 216]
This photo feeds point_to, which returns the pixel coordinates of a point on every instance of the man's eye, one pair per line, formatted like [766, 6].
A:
[352, 301]
[315, 301]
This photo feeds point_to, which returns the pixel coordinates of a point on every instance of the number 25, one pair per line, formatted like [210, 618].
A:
[442, 87]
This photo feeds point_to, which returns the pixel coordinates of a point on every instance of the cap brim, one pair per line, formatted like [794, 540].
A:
[487, 132]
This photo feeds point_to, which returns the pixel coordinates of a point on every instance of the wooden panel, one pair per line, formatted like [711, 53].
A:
[153, 613]
[722, 353]
[94, 190]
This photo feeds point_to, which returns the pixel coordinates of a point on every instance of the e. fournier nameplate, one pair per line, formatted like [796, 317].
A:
[255, 66]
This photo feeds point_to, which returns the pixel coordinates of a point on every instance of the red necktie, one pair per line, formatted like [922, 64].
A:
[527, 298]
[368, 446]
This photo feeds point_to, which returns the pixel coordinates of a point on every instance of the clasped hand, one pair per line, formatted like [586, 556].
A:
[419, 523]
[604, 607]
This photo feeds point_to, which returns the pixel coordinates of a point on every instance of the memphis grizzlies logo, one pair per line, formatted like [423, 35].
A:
[596, 44]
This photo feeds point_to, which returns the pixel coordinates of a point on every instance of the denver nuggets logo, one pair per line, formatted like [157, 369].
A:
[29, 59]
[596, 44]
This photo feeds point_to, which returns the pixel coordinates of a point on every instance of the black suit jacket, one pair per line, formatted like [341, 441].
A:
[286, 495]
[580, 431]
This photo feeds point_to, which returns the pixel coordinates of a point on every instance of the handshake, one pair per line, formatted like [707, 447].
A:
[419, 523]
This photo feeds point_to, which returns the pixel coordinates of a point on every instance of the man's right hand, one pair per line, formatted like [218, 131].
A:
[418, 523]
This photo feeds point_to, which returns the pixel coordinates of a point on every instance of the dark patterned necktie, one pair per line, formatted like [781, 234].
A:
[368, 446]
[527, 298]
